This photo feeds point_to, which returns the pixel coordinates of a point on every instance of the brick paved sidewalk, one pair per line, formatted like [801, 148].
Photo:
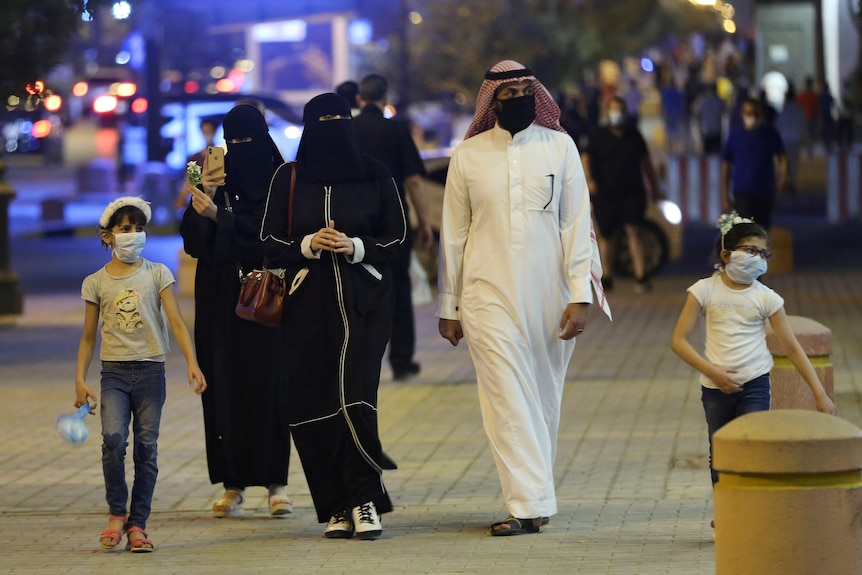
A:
[633, 487]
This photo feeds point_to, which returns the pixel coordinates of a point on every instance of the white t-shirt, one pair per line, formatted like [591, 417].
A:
[735, 322]
[134, 326]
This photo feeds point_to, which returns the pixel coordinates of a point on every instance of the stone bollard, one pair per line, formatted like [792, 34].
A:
[781, 246]
[789, 495]
[789, 390]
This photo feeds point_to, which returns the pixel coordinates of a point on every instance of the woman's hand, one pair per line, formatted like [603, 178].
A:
[203, 203]
[212, 178]
[332, 240]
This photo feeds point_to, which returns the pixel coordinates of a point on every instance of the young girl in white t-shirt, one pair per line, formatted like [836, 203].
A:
[736, 362]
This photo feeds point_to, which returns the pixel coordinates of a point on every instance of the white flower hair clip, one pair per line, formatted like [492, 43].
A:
[727, 221]
[139, 203]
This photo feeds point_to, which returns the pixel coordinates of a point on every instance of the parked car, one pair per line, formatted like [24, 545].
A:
[662, 232]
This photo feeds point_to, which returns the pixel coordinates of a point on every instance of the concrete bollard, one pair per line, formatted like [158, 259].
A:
[781, 246]
[789, 390]
[789, 496]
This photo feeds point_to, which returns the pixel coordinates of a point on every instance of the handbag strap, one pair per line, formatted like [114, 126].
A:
[290, 199]
[289, 207]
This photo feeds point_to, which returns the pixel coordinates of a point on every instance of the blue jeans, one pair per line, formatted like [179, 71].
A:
[132, 392]
[722, 408]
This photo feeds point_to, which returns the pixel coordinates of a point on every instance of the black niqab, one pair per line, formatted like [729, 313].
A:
[249, 165]
[328, 151]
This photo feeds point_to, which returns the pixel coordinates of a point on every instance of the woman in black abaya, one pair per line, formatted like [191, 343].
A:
[348, 224]
[247, 437]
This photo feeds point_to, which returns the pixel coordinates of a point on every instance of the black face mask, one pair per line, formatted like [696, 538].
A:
[515, 114]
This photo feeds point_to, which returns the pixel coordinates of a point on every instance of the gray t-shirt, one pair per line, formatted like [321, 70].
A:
[134, 325]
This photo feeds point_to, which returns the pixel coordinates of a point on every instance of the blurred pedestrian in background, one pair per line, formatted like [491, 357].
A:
[349, 90]
[845, 112]
[390, 142]
[827, 118]
[748, 168]
[674, 115]
[632, 97]
[247, 437]
[790, 124]
[348, 228]
[617, 162]
[709, 110]
[809, 101]
[516, 264]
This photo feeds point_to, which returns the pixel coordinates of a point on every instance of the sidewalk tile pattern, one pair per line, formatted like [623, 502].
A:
[631, 470]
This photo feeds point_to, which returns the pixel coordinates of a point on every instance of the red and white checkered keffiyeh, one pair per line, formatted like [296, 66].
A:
[548, 116]
[547, 110]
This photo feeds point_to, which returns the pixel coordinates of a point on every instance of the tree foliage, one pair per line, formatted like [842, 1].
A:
[34, 36]
[457, 40]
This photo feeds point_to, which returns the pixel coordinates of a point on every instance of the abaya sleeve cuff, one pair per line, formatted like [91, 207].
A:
[305, 246]
[358, 251]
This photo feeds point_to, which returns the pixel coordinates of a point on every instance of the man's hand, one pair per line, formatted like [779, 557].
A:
[451, 329]
[574, 320]
[424, 236]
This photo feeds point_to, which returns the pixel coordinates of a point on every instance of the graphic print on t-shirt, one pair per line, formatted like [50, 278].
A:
[128, 315]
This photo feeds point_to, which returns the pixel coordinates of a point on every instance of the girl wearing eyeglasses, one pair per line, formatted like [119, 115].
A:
[736, 362]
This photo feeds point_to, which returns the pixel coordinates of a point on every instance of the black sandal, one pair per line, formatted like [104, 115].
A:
[515, 526]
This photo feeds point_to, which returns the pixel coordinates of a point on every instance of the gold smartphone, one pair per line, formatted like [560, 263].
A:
[215, 159]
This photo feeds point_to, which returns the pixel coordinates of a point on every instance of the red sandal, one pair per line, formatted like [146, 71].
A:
[114, 536]
[139, 544]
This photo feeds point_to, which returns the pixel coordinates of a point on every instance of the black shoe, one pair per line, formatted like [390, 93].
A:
[404, 373]
[642, 285]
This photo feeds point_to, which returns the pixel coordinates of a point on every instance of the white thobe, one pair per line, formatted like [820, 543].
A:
[515, 250]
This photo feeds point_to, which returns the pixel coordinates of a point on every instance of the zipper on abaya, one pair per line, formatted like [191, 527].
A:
[339, 291]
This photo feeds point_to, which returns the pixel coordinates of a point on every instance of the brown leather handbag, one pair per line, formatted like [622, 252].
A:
[261, 298]
[261, 294]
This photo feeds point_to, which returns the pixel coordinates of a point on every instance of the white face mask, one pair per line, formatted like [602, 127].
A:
[128, 247]
[744, 268]
[749, 122]
[615, 118]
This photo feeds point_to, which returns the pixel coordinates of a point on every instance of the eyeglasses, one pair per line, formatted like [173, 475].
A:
[754, 251]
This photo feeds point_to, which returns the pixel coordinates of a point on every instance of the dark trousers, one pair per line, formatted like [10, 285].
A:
[712, 144]
[402, 340]
[722, 408]
[755, 207]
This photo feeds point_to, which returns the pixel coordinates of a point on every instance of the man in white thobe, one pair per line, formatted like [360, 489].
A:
[517, 257]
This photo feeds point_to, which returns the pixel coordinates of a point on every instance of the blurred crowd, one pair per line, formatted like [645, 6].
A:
[688, 104]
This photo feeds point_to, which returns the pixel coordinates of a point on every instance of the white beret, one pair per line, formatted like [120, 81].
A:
[139, 203]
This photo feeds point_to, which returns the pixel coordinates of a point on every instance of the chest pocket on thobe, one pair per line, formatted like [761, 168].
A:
[539, 193]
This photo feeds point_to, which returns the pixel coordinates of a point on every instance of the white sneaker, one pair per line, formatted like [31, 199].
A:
[339, 526]
[367, 521]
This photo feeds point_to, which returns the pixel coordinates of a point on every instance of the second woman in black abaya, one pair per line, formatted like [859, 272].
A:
[247, 437]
